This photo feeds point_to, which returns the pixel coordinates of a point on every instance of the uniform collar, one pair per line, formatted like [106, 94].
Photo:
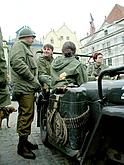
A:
[97, 66]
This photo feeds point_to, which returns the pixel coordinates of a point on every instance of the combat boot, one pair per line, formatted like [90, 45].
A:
[22, 149]
[31, 146]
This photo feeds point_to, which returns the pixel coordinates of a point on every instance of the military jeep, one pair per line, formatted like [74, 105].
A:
[86, 122]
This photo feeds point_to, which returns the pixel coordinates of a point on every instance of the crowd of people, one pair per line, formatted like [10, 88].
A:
[30, 76]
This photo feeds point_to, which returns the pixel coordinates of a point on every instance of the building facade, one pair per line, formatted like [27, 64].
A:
[109, 39]
[58, 37]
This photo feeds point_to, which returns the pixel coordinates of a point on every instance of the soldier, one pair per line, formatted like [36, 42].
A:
[67, 69]
[4, 92]
[96, 67]
[44, 64]
[44, 75]
[24, 77]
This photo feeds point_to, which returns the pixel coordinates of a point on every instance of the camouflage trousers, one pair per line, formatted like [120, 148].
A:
[25, 114]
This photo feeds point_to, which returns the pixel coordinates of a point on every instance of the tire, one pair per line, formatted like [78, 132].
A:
[94, 162]
[43, 127]
[88, 162]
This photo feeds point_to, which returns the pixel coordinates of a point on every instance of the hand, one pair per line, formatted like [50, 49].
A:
[62, 76]
[36, 85]
[46, 87]
[45, 79]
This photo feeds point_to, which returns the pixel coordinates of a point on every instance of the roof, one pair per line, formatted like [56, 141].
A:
[117, 13]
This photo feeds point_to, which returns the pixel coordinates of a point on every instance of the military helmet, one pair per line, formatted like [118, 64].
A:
[68, 49]
[26, 32]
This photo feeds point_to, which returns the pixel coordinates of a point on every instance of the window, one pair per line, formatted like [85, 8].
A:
[103, 46]
[52, 41]
[61, 38]
[67, 38]
[108, 44]
[123, 39]
[104, 61]
[115, 40]
[106, 32]
[110, 61]
[108, 47]
[92, 49]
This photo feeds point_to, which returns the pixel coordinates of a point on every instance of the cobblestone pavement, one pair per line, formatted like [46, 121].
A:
[8, 146]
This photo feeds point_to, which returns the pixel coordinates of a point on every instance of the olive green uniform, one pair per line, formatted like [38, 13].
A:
[74, 69]
[44, 69]
[4, 92]
[44, 75]
[24, 77]
[93, 71]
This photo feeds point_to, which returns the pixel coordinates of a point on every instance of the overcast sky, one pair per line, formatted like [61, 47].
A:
[44, 15]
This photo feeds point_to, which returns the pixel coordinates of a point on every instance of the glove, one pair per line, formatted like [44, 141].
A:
[45, 79]
[36, 84]
[3, 84]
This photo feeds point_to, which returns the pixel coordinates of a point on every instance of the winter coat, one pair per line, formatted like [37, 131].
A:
[4, 91]
[74, 70]
[24, 68]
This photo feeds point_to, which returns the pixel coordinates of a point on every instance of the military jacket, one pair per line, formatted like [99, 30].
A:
[4, 91]
[93, 71]
[44, 69]
[74, 70]
[24, 67]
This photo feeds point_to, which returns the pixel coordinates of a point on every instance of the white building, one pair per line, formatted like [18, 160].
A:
[109, 39]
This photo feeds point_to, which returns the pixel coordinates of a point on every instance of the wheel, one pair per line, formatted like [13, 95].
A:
[87, 162]
[43, 126]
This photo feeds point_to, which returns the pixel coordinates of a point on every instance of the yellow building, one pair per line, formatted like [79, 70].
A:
[57, 38]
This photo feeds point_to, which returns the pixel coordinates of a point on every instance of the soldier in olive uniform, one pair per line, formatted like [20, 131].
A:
[44, 75]
[4, 92]
[44, 64]
[25, 80]
[67, 69]
[96, 67]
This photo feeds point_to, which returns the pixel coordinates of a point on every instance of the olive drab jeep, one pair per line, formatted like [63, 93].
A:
[86, 122]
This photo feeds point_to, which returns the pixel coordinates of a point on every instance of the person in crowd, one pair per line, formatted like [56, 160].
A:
[4, 91]
[25, 80]
[66, 69]
[96, 67]
[44, 75]
[44, 64]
